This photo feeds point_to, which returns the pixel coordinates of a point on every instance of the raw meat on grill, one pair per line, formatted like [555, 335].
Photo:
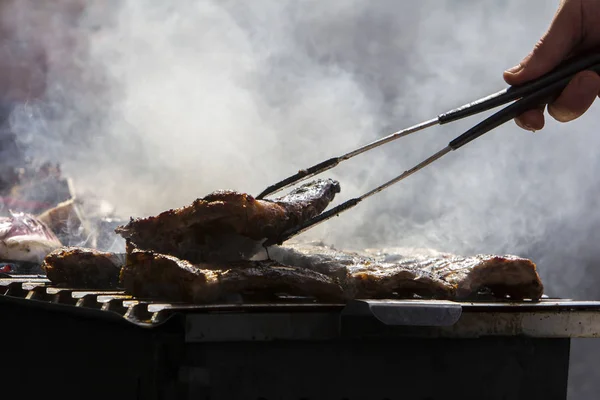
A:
[77, 267]
[147, 274]
[227, 225]
[25, 238]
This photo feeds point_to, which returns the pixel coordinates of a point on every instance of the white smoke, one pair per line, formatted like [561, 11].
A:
[164, 102]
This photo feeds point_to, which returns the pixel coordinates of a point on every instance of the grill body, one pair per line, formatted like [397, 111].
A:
[300, 353]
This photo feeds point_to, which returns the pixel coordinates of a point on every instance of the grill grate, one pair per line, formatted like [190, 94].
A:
[546, 318]
[113, 302]
[116, 303]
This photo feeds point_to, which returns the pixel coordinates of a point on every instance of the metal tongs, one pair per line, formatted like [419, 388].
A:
[529, 96]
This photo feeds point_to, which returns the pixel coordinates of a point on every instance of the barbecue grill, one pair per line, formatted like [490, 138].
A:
[104, 344]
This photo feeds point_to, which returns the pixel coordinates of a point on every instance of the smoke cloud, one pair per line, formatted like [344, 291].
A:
[154, 104]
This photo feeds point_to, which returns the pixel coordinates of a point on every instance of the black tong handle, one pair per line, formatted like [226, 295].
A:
[565, 70]
[538, 92]
[541, 97]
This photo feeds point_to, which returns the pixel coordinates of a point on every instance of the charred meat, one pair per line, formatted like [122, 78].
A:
[77, 267]
[227, 225]
[147, 274]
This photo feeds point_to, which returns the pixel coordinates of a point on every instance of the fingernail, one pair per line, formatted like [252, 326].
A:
[515, 69]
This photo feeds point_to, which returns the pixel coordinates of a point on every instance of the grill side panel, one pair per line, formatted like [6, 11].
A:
[411, 369]
[49, 354]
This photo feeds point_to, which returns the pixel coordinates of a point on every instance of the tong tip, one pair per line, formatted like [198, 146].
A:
[300, 176]
[311, 222]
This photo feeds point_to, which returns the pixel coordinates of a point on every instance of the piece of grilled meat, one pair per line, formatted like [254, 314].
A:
[502, 276]
[157, 276]
[227, 225]
[78, 267]
[381, 280]
[147, 274]
[406, 273]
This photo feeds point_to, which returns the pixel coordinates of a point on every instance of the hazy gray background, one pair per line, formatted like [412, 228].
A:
[156, 103]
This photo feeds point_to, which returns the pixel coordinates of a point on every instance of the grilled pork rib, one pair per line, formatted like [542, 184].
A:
[147, 274]
[301, 270]
[331, 275]
[405, 273]
[78, 267]
[503, 276]
[150, 275]
[227, 225]
[381, 280]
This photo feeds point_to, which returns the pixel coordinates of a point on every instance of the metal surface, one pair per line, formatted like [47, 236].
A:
[307, 320]
[542, 324]
[544, 319]
[406, 313]
[116, 305]
[408, 369]
[353, 202]
[316, 169]
[261, 327]
[395, 318]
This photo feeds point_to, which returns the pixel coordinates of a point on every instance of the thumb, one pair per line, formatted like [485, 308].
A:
[556, 45]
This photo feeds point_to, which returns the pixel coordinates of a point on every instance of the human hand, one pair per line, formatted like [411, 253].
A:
[575, 28]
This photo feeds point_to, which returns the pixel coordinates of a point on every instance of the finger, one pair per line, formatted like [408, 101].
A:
[557, 43]
[532, 120]
[576, 98]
